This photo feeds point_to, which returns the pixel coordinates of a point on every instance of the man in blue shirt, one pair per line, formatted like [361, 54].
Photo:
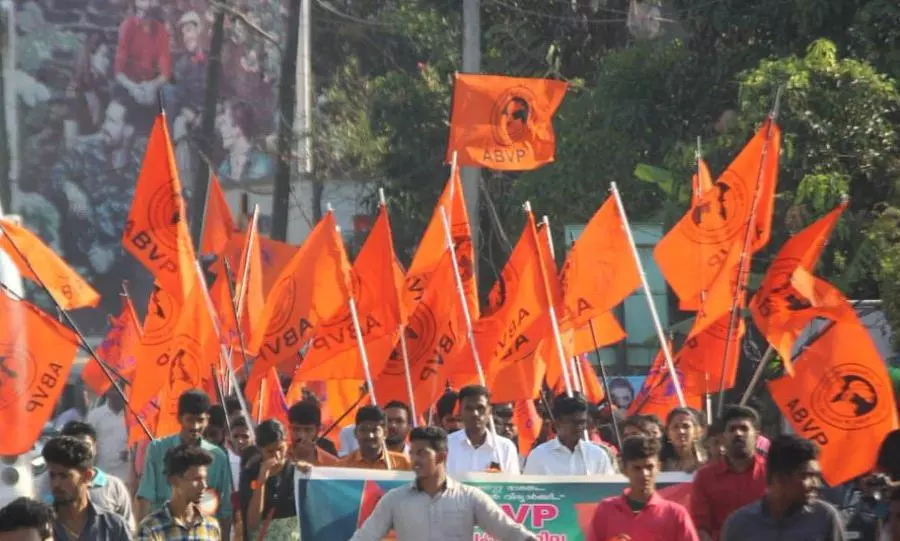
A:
[154, 489]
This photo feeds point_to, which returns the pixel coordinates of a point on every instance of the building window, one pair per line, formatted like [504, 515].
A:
[634, 355]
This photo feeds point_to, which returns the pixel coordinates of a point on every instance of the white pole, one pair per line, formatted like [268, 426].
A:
[242, 294]
[554, 324]
[663, 344]
[462, 298]
[756, 375]
[407, 371]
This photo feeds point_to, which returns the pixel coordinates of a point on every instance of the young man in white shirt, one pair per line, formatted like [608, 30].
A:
[568, 453]
[109, 422]
[475, 448]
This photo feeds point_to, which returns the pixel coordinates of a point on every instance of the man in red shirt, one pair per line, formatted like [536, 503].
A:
[640, 513]
[722, 487]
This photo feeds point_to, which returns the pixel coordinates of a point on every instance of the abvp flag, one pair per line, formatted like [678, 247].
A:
[36, 355]
[503, 123]
[841, 397]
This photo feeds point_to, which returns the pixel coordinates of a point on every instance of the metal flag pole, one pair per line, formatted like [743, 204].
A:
[663, 344]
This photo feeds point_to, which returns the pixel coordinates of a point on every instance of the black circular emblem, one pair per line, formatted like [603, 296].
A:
[513, 116]
[847, 397]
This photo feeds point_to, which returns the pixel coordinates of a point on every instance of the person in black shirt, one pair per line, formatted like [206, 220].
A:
[266, 487]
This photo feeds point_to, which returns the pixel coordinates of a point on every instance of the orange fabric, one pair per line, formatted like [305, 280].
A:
[149, 415]
[156, 231]
[377, 280]
[324, 458]
[593, 388]
[841, 397]
[69, 289]
[600, 270]
[701, 361]
[576, 343]
[435, 333]
[504, 123]
[433, 245]
[275, 256]
[267, 401]
[508, 338]
[117, 350]
[719, 220]
[528, 422]
[218, 224]
[399, 461]
[312, 287]
[700, 184]
[790, 297]
[36, 355]
[657, 395]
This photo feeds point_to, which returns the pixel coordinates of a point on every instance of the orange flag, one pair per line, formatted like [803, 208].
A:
[218, 224]
[657, 395]
[528, 422]
[270, 403]
[435, 332]
[312, 287]
[508, 338]
[433, 246]
[840, 397]
[790, 297]
[504, 123]
[63, 283]
[36, 355]
[156, 231]
[702, 358]
[577, 343]
[377, 281]
[117, 350]
[275, 256]
[719, 220]
[149, 415]
[600, 271]
[177, 352]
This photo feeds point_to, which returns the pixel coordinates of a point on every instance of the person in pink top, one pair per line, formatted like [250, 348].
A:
[640, 513]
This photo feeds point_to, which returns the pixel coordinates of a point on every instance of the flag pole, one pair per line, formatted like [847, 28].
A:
[404, 351]
[605, 380]
[663, 343]
[237, 305]
[223, 354]
[770, 352]
[131, 314]
[554, 323]
[742, 265]
[84, 343]
[357, 329]
[574, 371]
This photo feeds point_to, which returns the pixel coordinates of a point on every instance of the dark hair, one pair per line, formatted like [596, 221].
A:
[789, 452]
[474, 391]
[193, 402]
[370, 414]
[70, 452]
[396, 404]
[305, 412]
[682, 411]
[239, 422]
[503, 410]
[734, 412]
[623, 383]
[434, 435]
[699, 417]
[232, 405]
[25, 513]
[639, 448]
[78, 429]
[268, 432]
[888, 458]
[636, 421]
[567, 405]
[446, 404]
[180, 459]
[217, 416]
[895, 494]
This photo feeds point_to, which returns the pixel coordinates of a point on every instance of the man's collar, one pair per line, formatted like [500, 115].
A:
[358, 457]
[488, 439]
[794, 510]
[724, 466]
[556, 444]
[654, 499]
[447, 484]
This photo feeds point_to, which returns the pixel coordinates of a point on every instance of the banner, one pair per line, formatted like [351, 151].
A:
[334, 502]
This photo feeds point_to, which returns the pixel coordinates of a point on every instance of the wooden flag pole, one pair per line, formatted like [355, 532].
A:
[554, 323]
[574, 372]
[743, 264]
[663, 344]
[748, 392]
[404, 351]
[84, 343]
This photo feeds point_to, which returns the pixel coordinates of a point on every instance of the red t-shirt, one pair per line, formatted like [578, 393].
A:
[659, 520]
[143, 50]
[718, 491]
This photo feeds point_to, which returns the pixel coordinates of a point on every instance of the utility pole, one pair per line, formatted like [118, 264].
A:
[287, 105]
[471, 63]
[208, 126]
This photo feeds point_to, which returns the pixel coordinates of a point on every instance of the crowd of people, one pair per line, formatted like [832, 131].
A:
[220, 478]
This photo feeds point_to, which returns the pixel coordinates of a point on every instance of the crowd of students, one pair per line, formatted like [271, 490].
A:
[218, 479]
